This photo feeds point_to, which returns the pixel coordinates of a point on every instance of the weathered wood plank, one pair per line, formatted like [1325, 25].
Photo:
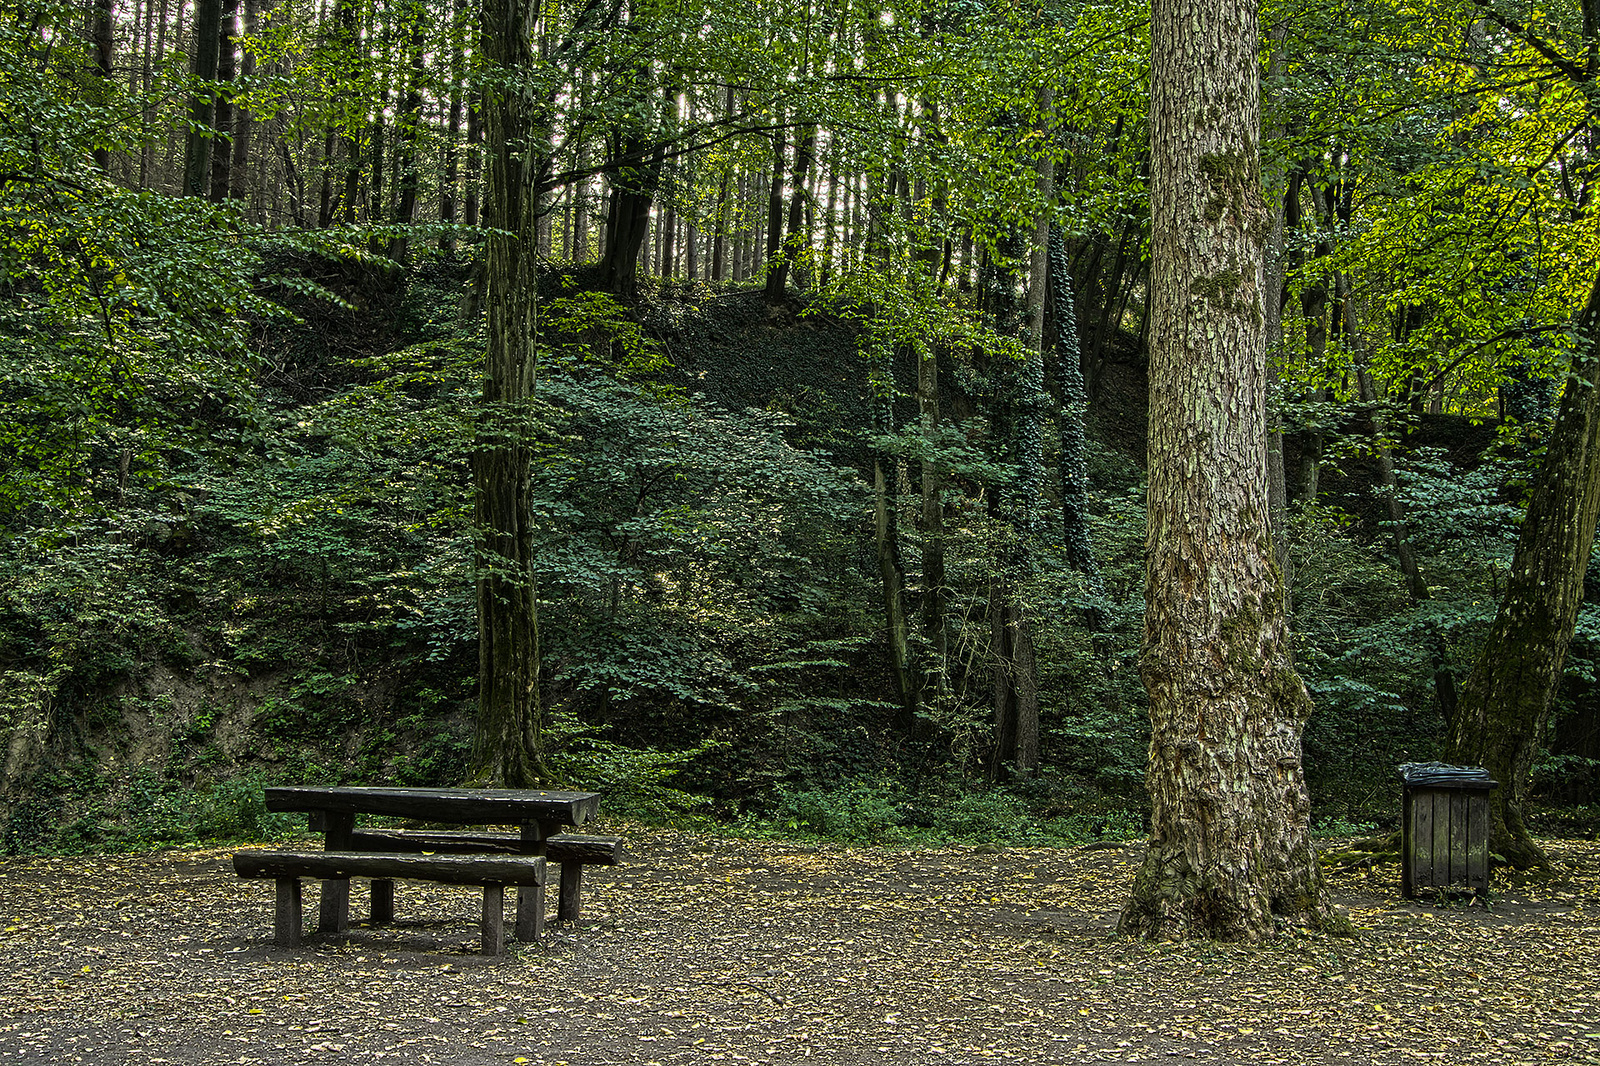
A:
[467, 805]
[1458, 838]
[1478, 842]
[1422, 831]
[446, 869]
[1441, 839]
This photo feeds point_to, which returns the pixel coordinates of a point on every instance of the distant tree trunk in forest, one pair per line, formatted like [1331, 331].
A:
[409, 132]
[222, 121]
[634, 180]
[1505, 705]
[774, 240]
[469, 196]
[241, 183]
[507, 747]
[203, 105]
[452, 129]
[1444, 679]
[1016, 697]
[1230, 851]
[103, 46]
[886, 536]
[936, 670]
[789, 253]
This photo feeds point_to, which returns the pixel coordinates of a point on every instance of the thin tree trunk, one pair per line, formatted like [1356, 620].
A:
[241, 183]
[935, 628]
[103, 44]
[409, 133]
[202, 106]
[469, 207]
[891, 572]
[451, 179]
[227, 64]
[789, 253]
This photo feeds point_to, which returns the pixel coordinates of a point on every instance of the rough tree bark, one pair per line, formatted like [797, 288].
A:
[1230, 853]
[507, 745]
[1505, 706]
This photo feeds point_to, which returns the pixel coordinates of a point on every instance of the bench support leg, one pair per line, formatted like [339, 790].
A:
[335, 915]
[530, 913]
[571, 904]
[382, 900]
[286, 919]
[494, 930]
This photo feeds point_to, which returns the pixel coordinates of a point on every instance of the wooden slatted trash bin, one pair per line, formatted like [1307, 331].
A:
[1444, 836]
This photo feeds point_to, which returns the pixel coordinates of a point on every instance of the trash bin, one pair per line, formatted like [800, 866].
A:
[1444, 818]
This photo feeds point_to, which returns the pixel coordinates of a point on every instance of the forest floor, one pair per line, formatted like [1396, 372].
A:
[706, 950]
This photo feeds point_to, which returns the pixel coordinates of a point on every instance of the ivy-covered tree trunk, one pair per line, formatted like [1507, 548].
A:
[1230, 852]
[507, 747]
[1505, 705]
[1071, 418]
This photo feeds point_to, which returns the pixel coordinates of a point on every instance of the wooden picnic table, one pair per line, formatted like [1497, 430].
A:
[538, 814]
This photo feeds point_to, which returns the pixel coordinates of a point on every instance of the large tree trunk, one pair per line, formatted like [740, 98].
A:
[1505, 706]
[1230, 852]
[507, 747]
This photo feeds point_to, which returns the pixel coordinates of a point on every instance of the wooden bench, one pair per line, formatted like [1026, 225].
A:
[493, 872]
[571, 850]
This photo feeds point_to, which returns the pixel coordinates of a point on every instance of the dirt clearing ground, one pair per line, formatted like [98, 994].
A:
[714, 951]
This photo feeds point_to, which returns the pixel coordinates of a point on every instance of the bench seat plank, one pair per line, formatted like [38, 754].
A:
[446, 869]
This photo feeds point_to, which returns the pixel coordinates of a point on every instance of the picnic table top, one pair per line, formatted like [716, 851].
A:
[475, 806]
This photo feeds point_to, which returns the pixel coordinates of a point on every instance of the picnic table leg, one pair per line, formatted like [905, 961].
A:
[286, 920]
[335, 917]
[530, 898]
[494, 930]
[382, 900]
[571, 901]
